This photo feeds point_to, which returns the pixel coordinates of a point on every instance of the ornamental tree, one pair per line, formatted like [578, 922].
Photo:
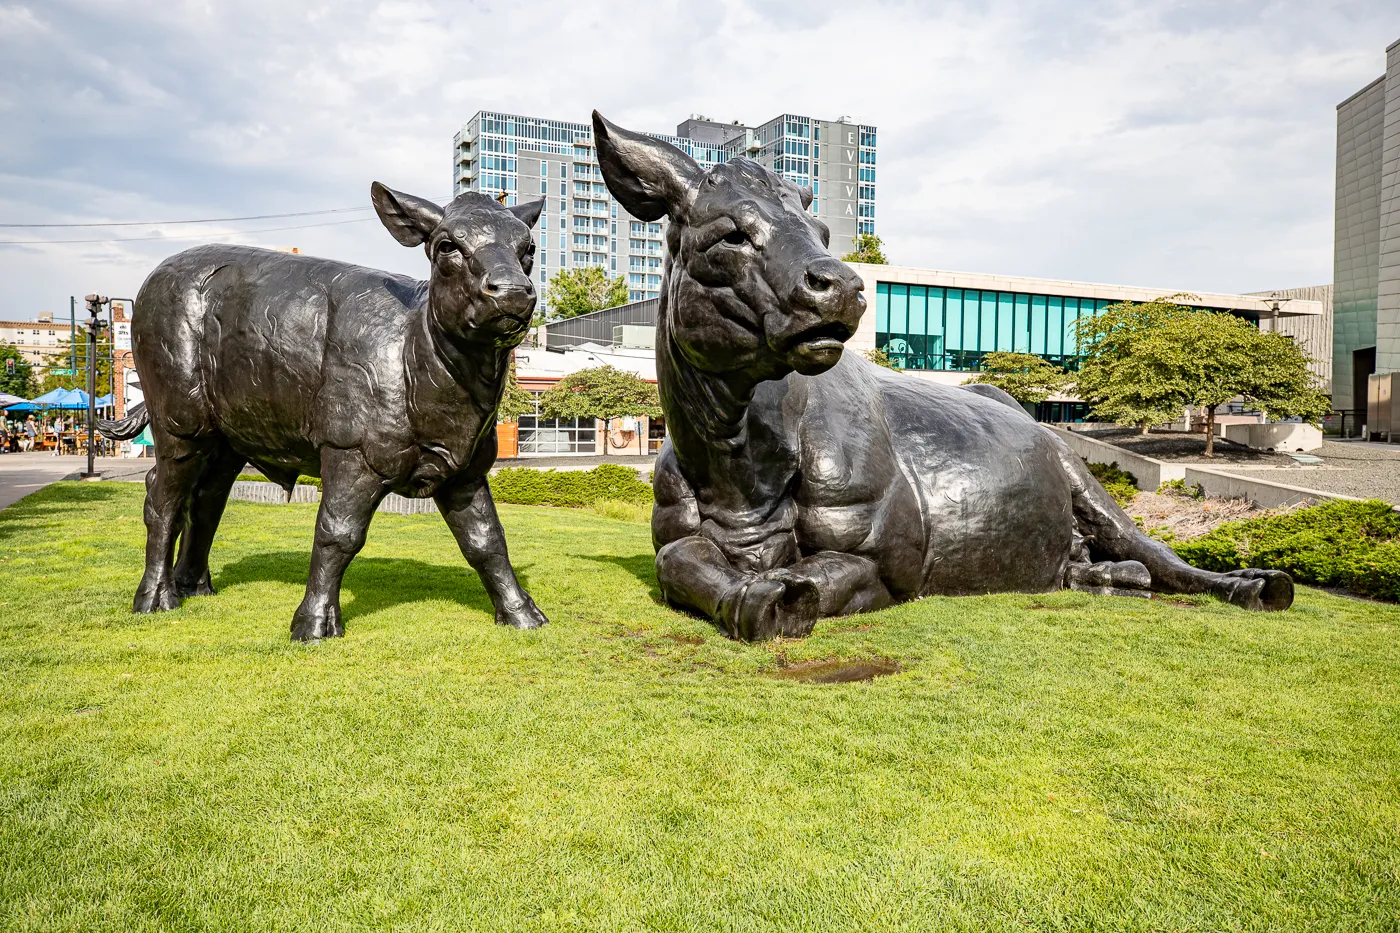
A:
[1144, 363]
[880, 358]
[602, 392]
[866, 248]
[16, 373]
[515, 401]
[583, 290]
[1024, 376]
[1130, 372]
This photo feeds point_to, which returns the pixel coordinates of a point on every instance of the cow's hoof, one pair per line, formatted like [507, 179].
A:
[159, 597]
[314, 624]
[524, 617]
[767, 608]
[202, 587]
[1251, 588]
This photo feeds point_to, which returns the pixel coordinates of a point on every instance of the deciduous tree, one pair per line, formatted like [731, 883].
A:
[880, 358]
[1024, 376]
[16, 373]
[602, 392]
[867, 248]
[583, 290]
[515, 401]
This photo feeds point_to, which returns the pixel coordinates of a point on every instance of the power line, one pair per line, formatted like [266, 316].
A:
[206, 220]
[177, 239]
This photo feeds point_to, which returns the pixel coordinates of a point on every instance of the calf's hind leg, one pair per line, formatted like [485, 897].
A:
[168, 488]
[206, 508]
[1112, 535]
[350, 493]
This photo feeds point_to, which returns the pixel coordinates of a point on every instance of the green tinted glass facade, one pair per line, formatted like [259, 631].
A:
[931, 327]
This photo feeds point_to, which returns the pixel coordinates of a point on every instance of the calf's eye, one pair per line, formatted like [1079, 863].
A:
[445, 247]
[736, 238]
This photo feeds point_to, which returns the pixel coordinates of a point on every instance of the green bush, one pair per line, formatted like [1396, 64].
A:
[1120, 484]
[1355, 545]
[569, 488]
[301, 480]
[1178, 487]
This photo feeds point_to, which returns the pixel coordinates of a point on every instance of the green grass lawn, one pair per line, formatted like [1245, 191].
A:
[1049, 762]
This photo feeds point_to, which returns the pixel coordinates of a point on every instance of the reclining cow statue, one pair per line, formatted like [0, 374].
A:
[374, 382]
[798, 481]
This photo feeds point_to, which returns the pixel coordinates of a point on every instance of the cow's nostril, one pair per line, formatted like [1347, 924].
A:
[818, 282]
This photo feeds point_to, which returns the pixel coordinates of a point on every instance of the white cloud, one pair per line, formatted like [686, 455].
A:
[1187, 145]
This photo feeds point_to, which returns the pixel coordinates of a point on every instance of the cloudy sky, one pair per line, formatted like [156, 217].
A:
[1188, 145]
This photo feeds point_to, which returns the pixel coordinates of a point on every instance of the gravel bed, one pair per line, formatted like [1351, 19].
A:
[1182, 447]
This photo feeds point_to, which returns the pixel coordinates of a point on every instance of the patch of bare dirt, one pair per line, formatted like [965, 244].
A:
[1184, 517]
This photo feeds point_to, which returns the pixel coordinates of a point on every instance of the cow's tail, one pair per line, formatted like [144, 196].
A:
[126, 428]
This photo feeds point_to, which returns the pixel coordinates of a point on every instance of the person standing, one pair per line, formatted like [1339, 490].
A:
[58, 435]
[31, 431]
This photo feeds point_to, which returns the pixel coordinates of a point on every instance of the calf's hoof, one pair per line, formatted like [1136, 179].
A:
[200, 587]
[1251, 588]
[316, 623]
[525, 616]
[158, 597]
[770, 608]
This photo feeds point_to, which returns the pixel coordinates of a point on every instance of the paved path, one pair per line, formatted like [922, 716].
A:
[21, 474]
[1367, 470]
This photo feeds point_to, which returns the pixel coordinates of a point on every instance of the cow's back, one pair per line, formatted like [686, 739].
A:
[233, 339]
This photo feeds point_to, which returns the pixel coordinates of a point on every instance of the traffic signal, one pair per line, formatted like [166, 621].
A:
[94, 304]
[9, 367]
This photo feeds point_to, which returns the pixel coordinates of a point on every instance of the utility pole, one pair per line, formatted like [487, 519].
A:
[94, 307]
[72, 336]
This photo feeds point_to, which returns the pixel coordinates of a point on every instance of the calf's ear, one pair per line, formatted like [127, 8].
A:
[528, 212]
[411, 220]
[650, 178]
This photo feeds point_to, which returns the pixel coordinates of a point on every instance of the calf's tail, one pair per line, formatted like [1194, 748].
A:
[128, 427]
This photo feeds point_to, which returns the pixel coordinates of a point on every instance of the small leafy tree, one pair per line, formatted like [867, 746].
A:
[602, 392]
[880, 358]
[1024, 376]
[66, 354]
[1226, 357]
[583, 290]
[1129, 370]
[1145, 362]
[867, 248]
[515, 401]
[16, 373]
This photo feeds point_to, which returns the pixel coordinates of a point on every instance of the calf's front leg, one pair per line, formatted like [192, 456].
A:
[695, 574]
[470, 512]
[349, 495]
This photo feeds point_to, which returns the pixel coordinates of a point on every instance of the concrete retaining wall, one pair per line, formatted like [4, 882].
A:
[253, 491]
[1293, 436]
[1150, 473]
[1263, 493]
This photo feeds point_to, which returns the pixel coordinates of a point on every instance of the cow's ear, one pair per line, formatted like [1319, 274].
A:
[805, 193]
[650, 178]
[411, 220]
[529, 212]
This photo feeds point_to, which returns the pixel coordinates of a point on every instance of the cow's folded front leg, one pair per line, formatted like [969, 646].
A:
[350, 493]
[845, 583]
[471, 514]
[695, 574]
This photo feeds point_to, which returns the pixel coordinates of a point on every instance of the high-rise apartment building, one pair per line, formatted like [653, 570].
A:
[1366, 261]
[531, 157]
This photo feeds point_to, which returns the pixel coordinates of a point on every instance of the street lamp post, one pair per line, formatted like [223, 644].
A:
[94, 306]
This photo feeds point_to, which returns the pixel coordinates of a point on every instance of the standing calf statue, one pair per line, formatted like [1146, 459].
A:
[374, 382]
[798, 481]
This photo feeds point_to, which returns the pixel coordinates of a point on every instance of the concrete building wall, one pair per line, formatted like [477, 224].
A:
[1388, 262]
[1360, 130]
[1313, 333]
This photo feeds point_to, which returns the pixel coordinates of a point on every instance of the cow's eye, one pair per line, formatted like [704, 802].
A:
[445, 247]
[736, 238]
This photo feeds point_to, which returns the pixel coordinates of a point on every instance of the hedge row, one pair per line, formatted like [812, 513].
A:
[1355, 545]
[569, 488]
[1118, 483]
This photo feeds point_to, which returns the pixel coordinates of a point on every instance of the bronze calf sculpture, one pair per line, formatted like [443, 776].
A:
[798, 481]
[374, 382]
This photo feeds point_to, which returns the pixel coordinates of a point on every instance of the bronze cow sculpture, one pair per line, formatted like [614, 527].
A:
[374, 382]
[798, 481]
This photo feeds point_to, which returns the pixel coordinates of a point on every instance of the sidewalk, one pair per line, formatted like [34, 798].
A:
[21, 474]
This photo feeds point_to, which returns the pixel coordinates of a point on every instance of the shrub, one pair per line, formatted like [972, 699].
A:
[1120, 484]
[1178, 487]
[569, 488]
[301, 480]
[1355, 545]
